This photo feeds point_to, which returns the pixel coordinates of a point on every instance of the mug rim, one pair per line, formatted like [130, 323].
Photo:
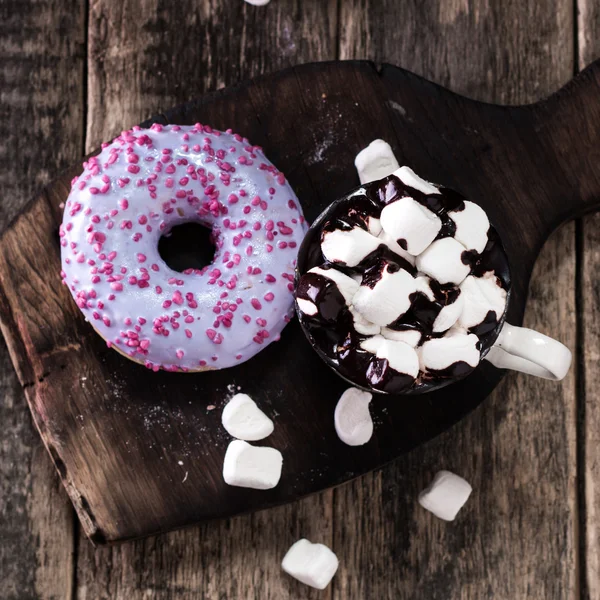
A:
[490, 338]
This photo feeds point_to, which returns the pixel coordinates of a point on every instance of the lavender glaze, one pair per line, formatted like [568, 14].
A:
[136, 190]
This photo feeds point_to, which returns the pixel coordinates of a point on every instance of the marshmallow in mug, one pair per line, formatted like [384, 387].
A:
[421, 287]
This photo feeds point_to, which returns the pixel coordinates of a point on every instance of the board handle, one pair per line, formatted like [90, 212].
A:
[569, 123]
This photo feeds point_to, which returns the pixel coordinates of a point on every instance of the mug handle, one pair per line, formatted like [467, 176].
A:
[528, 351]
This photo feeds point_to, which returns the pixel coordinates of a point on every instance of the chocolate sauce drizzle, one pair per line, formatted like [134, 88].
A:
[331, 331]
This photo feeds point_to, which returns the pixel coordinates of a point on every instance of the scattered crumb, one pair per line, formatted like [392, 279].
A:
[323, 96]
[179, 462]
[185, 478]
[211, 407]
[61, 205]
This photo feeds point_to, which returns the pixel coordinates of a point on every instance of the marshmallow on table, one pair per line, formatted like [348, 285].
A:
[449, 314]
[244, 420]
[258, 2]
[346, 285]
[312, 564]
[446, 495]
[352, 418]
[438, 354]
[406, 219]
[481, 295]
[247, 466]
[348, 247]
[472, 226]
[387, 299]
[400, 356]
[443, 261]
[375, 162]
[408, 177]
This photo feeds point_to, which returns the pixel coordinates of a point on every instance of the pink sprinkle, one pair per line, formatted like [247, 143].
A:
[133, 169]
[179, 354]
[269, 296]
[141, 257]
[117, 286]
[247, 318]
[188, 333]
[256, 303]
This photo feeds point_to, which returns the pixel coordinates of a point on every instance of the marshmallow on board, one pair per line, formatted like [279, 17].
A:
[446, 495]
[243, 419]
[312, 564]
[353, 422]
[258, 2]
[257, 467]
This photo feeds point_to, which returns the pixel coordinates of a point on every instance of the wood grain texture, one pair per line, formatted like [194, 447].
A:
[146, 55]
[41, 99]
[589, 315]
[177, 565]
[517, 449]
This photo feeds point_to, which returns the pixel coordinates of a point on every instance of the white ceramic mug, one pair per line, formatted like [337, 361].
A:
[528, 351]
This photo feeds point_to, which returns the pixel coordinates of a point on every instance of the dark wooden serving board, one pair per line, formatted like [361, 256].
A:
[140, 452]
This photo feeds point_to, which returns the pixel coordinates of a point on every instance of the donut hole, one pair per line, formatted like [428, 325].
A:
[187, 246]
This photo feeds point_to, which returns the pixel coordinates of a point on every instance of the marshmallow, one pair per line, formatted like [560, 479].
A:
[388, 298]
[258, 2]
[376, 161]
[312, 564]
[346, 285]
[362, 326]
[400, 356]
[374, 226]
[412, 337]
[446, 495]
[393, 245]
[422, 284]
[348, 247]
[443, 261]
[408, 177]
[439, 353]
[449, 314]
[247, 466]
[482, 294]
[352, 418]
[307, 307]
[407, 220]
[244, 420]
[472, 225]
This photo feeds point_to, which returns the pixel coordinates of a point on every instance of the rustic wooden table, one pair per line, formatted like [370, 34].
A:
[74, 73]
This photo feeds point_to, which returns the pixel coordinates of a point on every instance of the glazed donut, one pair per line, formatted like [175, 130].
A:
[135, 191]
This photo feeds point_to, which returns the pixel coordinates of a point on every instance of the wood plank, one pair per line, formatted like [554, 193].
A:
[41, 109]
[517, 536]
[237, 558]
[589, 314]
